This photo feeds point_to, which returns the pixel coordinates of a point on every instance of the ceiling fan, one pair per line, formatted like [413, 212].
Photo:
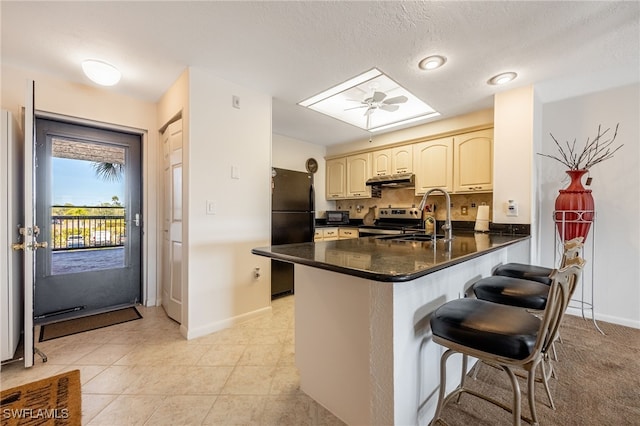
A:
[379, 100]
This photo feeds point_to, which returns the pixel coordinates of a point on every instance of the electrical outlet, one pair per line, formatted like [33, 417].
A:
[464, 210]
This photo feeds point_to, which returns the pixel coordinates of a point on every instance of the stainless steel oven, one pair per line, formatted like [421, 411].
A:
[394, 221]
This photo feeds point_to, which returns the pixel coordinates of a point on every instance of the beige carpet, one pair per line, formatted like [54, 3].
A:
[91, 322]
[52, 401]
[598, 382]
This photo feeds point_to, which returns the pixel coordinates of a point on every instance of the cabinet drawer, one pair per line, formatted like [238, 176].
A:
[346, 233]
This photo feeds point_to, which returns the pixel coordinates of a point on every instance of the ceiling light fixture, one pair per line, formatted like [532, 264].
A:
[503, 78]
[432, 62]
[101, 72]
[371, 101]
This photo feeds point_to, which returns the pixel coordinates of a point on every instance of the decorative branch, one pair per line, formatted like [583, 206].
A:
[594, 152]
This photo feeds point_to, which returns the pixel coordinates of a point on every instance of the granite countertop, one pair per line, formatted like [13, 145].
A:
[389, 260]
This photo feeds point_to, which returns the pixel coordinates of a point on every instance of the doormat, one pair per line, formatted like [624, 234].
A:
[88, 323]
[52, 401]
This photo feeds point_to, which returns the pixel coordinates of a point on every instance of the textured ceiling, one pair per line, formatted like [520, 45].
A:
[292, 50]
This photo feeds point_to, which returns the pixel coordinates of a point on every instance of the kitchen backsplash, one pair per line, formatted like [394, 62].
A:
[405, 197]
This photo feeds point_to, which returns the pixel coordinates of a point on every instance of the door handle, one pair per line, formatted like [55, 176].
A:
[136, 220]
[33, 246]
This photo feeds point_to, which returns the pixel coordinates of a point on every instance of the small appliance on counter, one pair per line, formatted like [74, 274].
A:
[337, 217]
[482, 219]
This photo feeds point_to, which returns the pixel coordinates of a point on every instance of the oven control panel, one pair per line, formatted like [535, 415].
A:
[399, 213]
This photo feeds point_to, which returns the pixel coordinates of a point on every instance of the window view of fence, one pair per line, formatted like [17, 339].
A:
[80, 227]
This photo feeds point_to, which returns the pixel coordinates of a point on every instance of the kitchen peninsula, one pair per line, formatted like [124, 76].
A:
[362, 339]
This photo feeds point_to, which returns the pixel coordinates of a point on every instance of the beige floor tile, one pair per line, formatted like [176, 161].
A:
[286, 381]
[87, 372]
[290, 410]
[182, 410]
[114, 379]
[249, 380]
[180, 380]
[233, 410]
[261, 355]
[15, 374]
[128, 410]
[287, 356]
[63, 355]
[221, 355]
[92, 404]
[105, 354]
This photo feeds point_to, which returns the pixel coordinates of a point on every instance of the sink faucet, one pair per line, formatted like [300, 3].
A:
[448, 232]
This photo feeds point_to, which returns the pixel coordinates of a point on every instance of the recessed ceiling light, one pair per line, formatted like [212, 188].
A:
[101, 72]
[503, 78]
[432, 62]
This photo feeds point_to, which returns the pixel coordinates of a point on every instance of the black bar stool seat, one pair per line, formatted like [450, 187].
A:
[526, 272]
[512, 291]
[473, 323]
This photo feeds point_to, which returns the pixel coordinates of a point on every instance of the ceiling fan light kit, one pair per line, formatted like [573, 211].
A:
[371, 101]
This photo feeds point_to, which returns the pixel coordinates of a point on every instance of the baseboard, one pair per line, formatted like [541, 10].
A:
[194, 333]
[605, 318]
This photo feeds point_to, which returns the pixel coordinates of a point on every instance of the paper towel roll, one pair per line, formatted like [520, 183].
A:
[482, 219]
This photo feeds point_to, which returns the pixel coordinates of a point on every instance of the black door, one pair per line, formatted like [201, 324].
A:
[88, 192]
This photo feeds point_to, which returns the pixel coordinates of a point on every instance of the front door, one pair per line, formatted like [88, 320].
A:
[89, 212]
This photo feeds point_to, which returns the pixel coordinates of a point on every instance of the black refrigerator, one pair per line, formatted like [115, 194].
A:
[292, 220]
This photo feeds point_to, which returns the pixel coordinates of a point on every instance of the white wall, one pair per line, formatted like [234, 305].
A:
[292, 154]
[222, 287]
[616, 190]
[99, 105]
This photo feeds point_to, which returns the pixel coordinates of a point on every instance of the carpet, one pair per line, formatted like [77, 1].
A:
[88, 323]
[52, 401]
[597, 382]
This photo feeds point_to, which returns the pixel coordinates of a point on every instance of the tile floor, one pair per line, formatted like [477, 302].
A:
[145, 373]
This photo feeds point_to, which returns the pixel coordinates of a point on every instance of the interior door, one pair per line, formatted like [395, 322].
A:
[88, 205]
[172, 224]
[11, 216]
[28, 228]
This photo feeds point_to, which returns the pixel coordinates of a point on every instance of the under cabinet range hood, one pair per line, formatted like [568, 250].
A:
[399, 180]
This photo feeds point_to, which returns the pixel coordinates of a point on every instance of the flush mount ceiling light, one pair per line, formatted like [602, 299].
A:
[503, 78]
[371, 101]
[101, 72]
[432, 62]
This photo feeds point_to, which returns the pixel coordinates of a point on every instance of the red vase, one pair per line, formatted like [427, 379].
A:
[574, 208]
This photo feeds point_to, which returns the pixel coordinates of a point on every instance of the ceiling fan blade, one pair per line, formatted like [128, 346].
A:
[356, 107]
[397, 100]
[378, 96]
[390, 108]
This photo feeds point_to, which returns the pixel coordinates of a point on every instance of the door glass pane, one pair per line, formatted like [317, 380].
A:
[88, 227]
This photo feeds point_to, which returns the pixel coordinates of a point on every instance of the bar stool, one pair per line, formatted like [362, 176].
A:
[504, 336]
[539, 273]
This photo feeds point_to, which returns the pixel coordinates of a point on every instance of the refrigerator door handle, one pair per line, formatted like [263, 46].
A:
[312, 198]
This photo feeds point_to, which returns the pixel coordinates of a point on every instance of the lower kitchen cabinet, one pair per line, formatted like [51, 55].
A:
[335, 233]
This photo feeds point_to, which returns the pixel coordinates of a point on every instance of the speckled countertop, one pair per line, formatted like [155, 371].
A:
[389, 260]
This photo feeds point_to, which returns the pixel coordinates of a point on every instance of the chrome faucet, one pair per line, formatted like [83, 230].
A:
[448, 232]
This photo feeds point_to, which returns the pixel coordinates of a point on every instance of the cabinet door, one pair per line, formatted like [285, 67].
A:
[336, 178]
[473, 155]
[433, 165]
[402, 159]
[358, 171]
[382, 162]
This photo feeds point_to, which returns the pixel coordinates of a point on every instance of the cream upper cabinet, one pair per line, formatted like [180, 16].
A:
[358, 172]
[402, 159]
[381, 162]
[392, 161]
[473, 161]
[336, 178]
[433, 165]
